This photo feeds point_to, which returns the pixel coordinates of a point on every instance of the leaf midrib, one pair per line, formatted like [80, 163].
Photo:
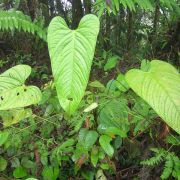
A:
[152, 74]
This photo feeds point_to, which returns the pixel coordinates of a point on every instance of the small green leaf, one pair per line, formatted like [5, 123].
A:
[94, 156]
[87, 174]
[104, 141]
[117, 142]
[113, 117]
[20, 172]
[3, 164]
[100, 175]
[121, 83]
[68, 143]
[26, 163]
[97, 84]
[91, 107]
[50, 173]
[88, 137]
[111, 63]
[3, 137]
[111, 131]
[101, 154]
[104, 166]
[15, 162]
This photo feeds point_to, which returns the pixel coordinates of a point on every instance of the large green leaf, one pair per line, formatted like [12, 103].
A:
[71, 53]
[87, 137]
[113, 118]
[160, 87]
[13, 92]
[13, 116]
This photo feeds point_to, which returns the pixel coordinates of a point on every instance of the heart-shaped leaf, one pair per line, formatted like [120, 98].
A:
[71, 53]
[160, 87]
[13, 92]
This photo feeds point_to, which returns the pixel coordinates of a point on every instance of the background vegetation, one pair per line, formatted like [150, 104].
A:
[114, 134]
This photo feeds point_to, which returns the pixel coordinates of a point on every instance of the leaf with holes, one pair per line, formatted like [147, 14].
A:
[71, 53]
[14, 116]
[13, 92]
[160, 87]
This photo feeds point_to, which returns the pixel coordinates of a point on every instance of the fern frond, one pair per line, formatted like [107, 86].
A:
[153, 161]
[115, 5]
[169, 163]
[172, 162]
[159, 157]
[16, 20]
[176, 169]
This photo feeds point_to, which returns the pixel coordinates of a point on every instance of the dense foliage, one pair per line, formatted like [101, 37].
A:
[105, 99]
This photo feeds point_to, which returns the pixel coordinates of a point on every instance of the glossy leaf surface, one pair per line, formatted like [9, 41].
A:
[160, 88]
[71, 53]
[13, 92]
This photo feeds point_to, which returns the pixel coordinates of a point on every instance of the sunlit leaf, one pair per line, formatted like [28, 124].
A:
[91, 107]
[71, 53]
[160, 88]
[13, 92]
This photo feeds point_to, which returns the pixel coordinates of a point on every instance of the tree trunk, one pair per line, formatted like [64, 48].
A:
[156, 18]
[77, 13]
[32, 5]
[61, 10]
[45, 11]
[130, 30]
[87, 6]
[52, 7]
[107, 33]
